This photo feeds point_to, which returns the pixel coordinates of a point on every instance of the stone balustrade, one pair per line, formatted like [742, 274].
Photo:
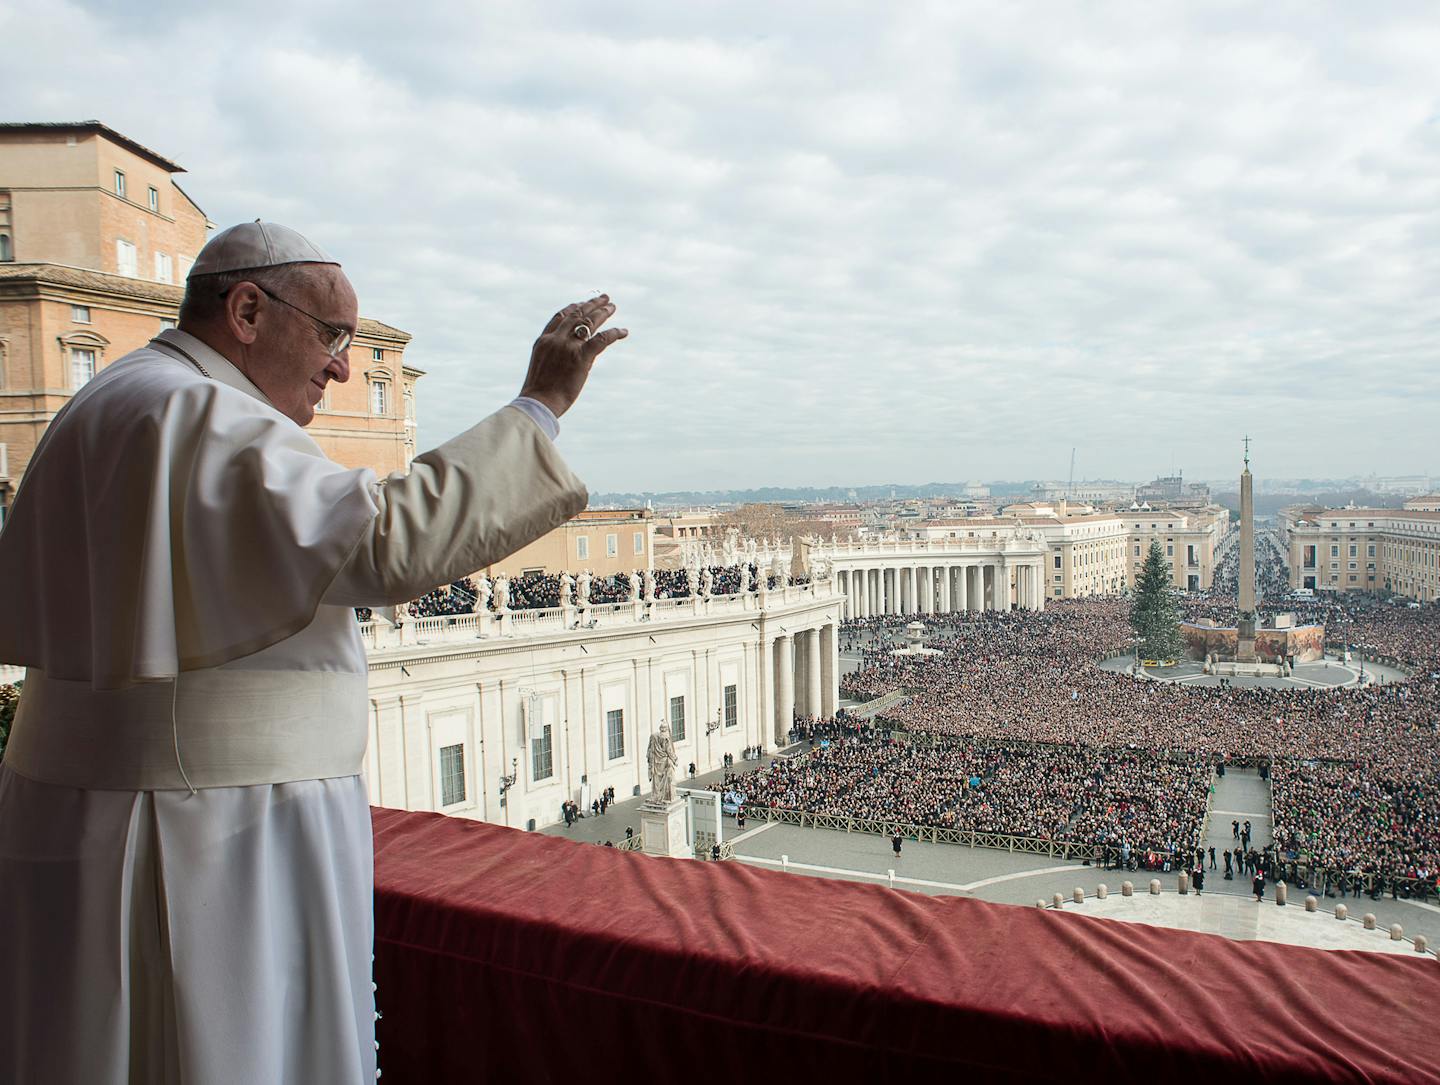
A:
[380, 635]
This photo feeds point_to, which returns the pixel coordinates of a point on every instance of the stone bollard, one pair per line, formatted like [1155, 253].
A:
[1127, 889]
[1184, 883]
[1341, 912]
[785, 862]
[1282, 893]
[1079, 895]
[1154, 887]
[1397, 932]
[1039, 904]
[1369, 921]
[1421, 944]
[1059, 900]
[1312, 904]
[1102, 891]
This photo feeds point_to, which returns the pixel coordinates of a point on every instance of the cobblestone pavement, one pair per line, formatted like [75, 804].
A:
[1322, 674]
[1003, 877]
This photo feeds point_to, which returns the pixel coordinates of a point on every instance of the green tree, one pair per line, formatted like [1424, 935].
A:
[9, 698]
[1154, 614]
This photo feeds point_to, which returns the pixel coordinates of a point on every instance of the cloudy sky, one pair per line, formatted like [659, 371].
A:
[854, 243]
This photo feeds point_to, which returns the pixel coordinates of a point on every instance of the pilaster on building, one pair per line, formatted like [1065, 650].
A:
[505, 716]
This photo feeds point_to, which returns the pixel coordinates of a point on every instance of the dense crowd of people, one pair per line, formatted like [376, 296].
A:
[1013, 728]
[1065, 794]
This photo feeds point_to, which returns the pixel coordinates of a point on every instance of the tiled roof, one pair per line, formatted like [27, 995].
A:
[87, 279]
[95, 128]
[124, 286]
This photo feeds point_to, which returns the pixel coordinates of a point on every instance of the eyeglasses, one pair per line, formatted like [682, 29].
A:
[338, 339]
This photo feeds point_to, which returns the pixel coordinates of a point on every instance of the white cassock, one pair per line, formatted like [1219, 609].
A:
[178, 572]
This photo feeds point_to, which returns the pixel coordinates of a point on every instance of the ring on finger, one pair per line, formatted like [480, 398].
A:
[582, 332]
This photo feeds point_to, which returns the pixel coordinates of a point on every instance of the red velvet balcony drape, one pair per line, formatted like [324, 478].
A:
[510, 956]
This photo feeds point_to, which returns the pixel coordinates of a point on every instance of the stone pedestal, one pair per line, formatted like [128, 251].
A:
[662, 829]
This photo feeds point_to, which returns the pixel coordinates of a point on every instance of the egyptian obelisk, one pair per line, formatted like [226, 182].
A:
[1245, 645]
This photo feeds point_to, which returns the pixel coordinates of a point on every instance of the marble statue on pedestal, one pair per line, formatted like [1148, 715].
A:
[731, 551]
[482, 594]
[707, 583]
[567, 588]
[582, 588]
[502, 594]
[649, 580]
[692, 581]
[634, 587]
[662, 759]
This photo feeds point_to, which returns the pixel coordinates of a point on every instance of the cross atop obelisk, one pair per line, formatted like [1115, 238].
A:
[1247, 452]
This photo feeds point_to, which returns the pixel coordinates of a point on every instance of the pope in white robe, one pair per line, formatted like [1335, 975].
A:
[185, 844]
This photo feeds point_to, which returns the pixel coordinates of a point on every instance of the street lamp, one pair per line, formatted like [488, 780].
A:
[507, 782]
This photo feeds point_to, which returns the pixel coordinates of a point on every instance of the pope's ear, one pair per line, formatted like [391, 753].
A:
[242, 309]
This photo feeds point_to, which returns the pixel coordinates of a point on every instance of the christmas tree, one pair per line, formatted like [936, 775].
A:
[1155, 615]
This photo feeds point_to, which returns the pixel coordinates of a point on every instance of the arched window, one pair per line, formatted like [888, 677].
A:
[7, 254]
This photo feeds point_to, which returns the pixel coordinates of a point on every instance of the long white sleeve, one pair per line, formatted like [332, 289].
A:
[468, 503]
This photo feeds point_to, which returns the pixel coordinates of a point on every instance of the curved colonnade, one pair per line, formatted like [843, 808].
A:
[940, 577]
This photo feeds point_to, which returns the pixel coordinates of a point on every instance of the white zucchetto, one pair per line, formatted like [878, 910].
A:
[257, 244]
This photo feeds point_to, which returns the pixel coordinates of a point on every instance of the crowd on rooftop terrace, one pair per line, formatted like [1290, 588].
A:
[542, 591]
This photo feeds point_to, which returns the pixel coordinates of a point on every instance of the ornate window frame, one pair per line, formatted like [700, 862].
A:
[81, 340]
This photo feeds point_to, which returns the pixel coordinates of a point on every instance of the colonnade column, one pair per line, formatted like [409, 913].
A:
[1042, 588]
[945, 589]
[813, 670]
[784, 689]
[1002, 586]
[830, 670]
[975, 574]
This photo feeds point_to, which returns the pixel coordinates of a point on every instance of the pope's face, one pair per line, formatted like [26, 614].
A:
[289, 360]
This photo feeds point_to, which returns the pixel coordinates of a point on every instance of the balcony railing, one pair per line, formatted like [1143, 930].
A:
[381, 636]
[510, 956]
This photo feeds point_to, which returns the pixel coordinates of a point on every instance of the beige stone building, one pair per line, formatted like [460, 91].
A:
[605, 541]
[1395, 550]
[97, 240]
[1189, 537]
[690, 524]
[1097, 551]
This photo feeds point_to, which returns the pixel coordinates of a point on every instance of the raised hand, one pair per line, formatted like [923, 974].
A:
[561, 358]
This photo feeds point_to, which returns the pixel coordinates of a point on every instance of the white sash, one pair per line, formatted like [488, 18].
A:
[232, 728]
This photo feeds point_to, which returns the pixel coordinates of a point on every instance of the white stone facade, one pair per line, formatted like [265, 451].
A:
[503, 719]
[1000, 569]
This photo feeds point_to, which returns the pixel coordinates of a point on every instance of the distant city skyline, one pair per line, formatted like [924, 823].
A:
[895, 240]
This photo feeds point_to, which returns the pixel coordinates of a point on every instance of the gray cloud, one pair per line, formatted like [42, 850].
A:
[855, 242]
